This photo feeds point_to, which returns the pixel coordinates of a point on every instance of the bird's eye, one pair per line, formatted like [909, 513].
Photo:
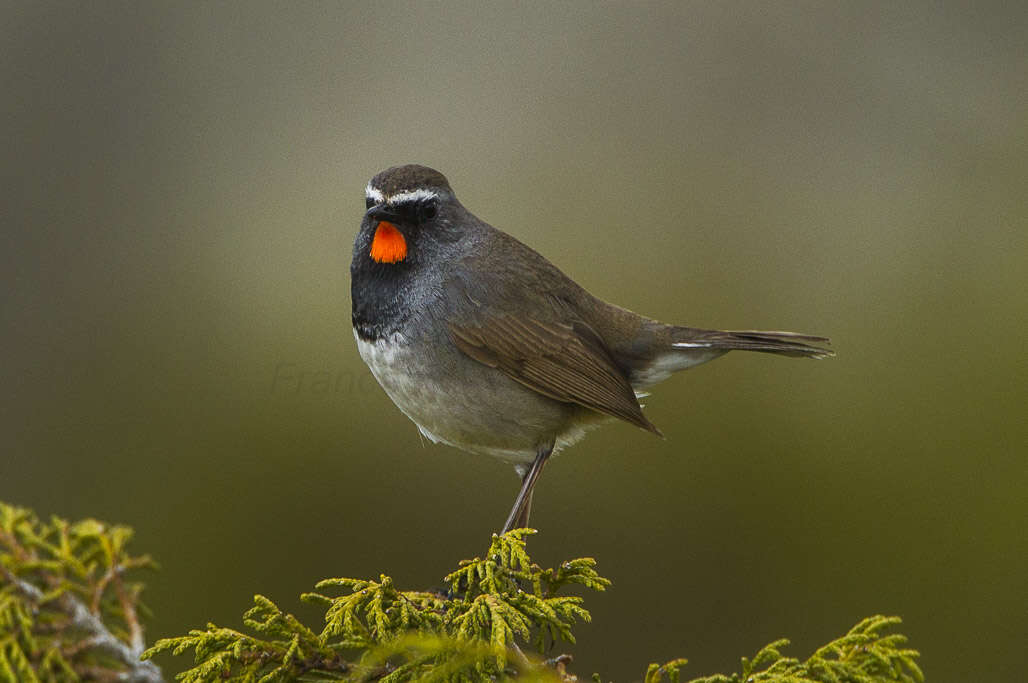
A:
[429, 210]
[368, 202]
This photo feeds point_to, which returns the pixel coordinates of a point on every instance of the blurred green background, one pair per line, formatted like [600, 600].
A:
[181, 188]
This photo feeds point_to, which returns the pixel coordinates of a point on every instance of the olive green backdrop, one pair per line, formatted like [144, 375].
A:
[182, 184]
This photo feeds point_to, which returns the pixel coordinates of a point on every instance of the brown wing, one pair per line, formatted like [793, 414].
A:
[566, 361]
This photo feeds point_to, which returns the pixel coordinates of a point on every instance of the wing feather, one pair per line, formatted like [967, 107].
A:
[566, 361]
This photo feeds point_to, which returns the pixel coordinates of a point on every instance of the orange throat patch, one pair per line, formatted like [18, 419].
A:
[388, 246]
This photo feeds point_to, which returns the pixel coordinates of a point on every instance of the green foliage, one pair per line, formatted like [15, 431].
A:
[494, 607]
[68, 613]
[67, 610]
[864, 655]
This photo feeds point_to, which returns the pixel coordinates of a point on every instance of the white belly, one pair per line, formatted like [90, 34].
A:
[503, 420]
[391, 362]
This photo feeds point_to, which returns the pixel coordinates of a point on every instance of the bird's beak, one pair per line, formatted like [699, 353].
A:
[382, 212]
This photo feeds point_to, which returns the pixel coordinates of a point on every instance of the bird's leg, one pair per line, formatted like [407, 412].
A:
[518, 517]
[522, 521]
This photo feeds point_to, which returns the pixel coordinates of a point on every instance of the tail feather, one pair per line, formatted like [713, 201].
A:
[783, 343]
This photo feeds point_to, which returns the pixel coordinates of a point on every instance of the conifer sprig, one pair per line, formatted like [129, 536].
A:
[866, 654]
[69, 612]
[497, 606]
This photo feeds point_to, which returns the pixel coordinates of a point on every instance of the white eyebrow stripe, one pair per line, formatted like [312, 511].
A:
[372, 193]
[411, 196]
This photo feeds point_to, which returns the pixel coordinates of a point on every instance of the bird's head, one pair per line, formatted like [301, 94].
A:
[409, 209]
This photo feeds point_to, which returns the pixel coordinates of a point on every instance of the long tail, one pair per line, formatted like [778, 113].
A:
[784, 343]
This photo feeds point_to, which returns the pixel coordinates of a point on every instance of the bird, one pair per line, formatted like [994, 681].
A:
[490, 348]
